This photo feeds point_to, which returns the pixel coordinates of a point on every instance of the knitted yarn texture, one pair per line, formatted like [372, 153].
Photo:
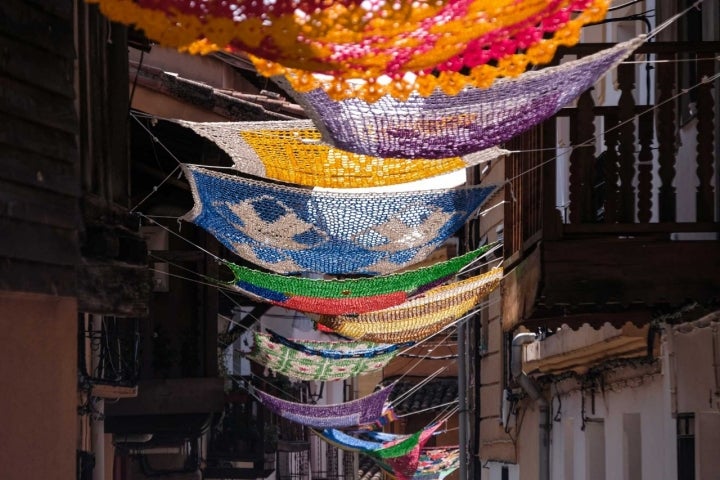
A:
[420, 317]
[297, 364]
[341, 415]
[442, 125]
[293, 230]
[345, 296]
[349, 39]
[292, 152]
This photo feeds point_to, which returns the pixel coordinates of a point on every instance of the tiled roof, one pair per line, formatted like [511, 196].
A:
[436, 392]
[368, 470]
[228, 103]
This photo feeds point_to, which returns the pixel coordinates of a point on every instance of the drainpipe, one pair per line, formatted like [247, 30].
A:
[98, 420]
[462, 402]
[531, 388]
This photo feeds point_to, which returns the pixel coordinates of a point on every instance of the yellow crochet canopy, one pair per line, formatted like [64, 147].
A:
[291, 151]
[420, 317]
[377, 41]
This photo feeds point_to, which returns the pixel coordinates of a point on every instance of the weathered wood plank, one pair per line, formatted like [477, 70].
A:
[629, 271]
[23, 276]
[36, 138]
[520, 288]
[664, 229]
[38, 171]
[46, 70]
[173, 396]
[38, 243]
[30, 205]
[59, 8]
[37, 25]
[114, 289]
[36, 105]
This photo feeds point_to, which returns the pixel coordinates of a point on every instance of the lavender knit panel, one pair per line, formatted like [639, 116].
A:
[440, 125]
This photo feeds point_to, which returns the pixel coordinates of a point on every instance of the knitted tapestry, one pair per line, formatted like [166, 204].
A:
[292, 230]
[404, 466]
[291, 152]
[441, 125]
[338, 350]
[347, 296]
[401, 446]
[376, 41]
[348, 443]
[437, 463]
[340, 415]
[433, 464]
[420, 317]
[298, 364]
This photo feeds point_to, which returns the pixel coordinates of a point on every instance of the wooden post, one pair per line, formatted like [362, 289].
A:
[582, 159]
[666, 138]
[610, 168]
[705, 137]
[626, 107]
[645, 157]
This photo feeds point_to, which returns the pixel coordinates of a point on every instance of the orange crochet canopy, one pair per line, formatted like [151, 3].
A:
[376, 41]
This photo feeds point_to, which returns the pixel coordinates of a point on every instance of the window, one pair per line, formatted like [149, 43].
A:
[686, 446]
[595, 449]
[632, 446]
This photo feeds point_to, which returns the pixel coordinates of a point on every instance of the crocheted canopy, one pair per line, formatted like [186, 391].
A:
[404, 466]
[290, 151]
[338, 350]
[346, 296]
[419, 317]
[292, 230]
[349, 443]
[442, 126]
[401, 446]
[298, 364]
[433, 463]
[341, 415]
[351, 39]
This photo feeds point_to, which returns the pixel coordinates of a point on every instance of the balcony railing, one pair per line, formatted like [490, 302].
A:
[644, 160]
[109, 355]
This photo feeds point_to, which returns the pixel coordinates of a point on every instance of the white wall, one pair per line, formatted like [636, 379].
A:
[575, 452]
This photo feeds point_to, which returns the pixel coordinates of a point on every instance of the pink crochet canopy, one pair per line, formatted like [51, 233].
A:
[369, 40]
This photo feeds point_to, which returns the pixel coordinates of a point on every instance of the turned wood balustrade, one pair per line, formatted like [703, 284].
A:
[622, 173]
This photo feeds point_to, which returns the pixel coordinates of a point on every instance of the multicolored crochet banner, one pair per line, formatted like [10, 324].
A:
[345, 296]
[298, 364]
[401, 458]
[474, 119]
[349, 40]
[401, 446]
[420, 317]
[339, 350]
[291, 151]
[433, 464]
[293, 230]
[341, 415]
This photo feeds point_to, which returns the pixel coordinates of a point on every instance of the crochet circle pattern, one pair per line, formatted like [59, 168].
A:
[369, 40]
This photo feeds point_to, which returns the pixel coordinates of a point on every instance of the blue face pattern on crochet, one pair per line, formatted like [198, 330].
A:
[293, 230]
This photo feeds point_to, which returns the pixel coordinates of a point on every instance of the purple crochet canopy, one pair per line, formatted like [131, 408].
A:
[441, 125]
[341, 415]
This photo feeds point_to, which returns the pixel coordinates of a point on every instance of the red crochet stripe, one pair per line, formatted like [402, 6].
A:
[343, 306]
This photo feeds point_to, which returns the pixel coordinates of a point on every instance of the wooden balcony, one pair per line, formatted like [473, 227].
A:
[633, 229]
